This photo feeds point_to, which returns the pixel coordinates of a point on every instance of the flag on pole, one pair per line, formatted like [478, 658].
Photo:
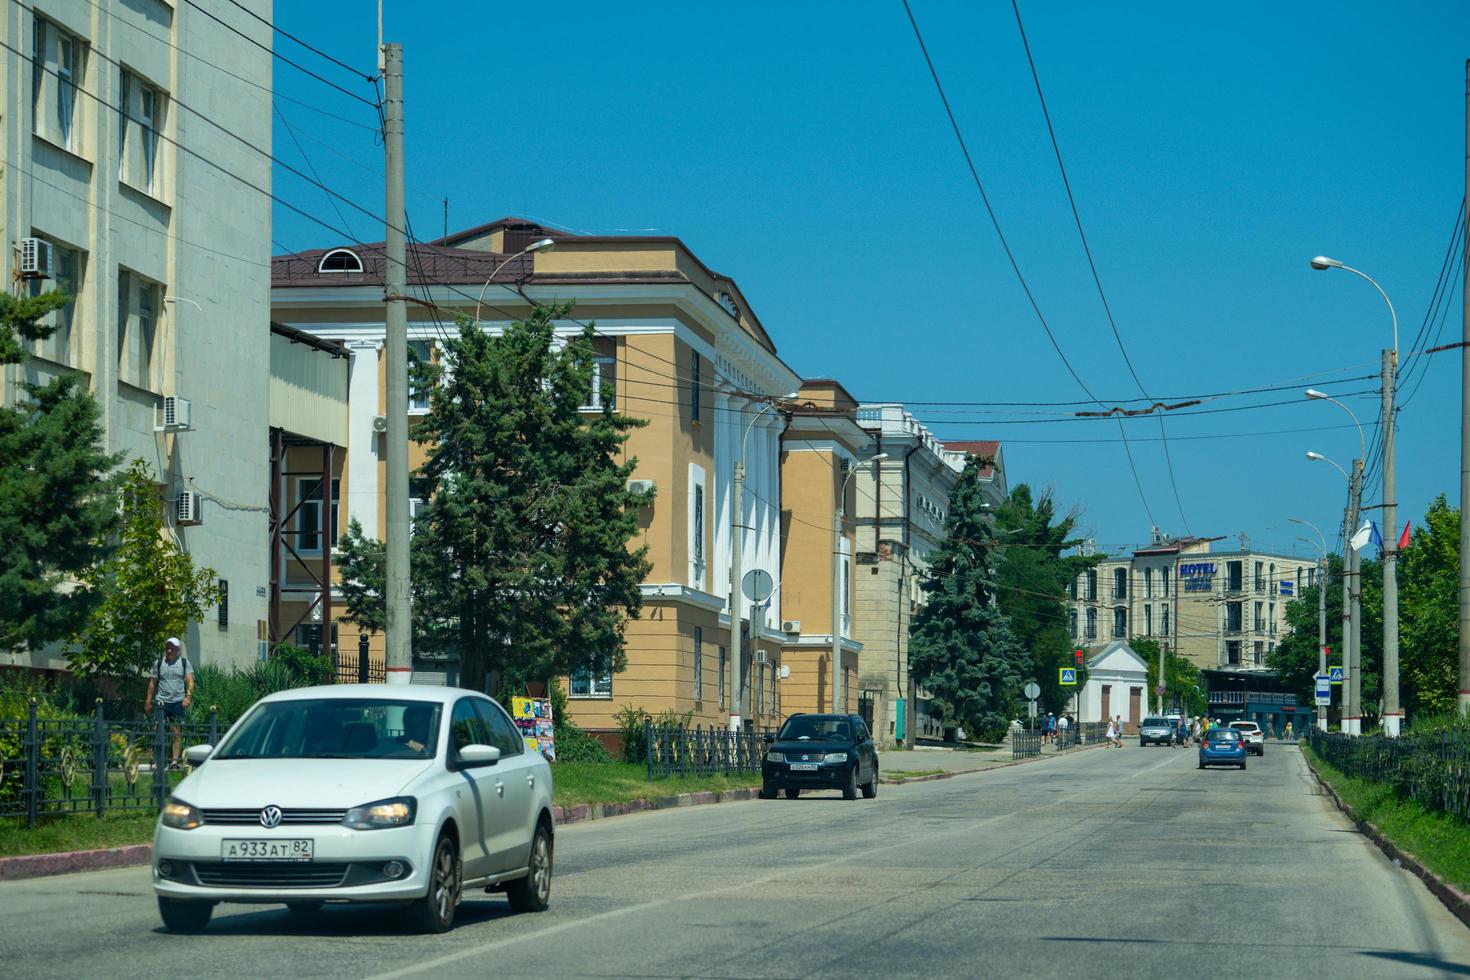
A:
[1377, 539]
[1404, 538]
[1363, 536]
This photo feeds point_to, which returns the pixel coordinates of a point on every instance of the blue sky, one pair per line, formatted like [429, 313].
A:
[802, 149]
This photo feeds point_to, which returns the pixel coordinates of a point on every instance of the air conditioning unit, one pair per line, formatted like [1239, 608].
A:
[35, 258]
[189, 509]
[177, 415]
[791, 626]
[640, 486]
[760, 656]
[380, 423]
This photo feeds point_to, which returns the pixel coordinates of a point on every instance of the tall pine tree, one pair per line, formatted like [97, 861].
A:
[962, 649]
[56, 503]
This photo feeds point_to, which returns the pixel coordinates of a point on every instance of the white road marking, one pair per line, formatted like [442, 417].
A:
[1160, 765]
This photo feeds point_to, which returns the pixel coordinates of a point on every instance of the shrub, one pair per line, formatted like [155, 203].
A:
[630, 726]
[308, 668]
[572, 744]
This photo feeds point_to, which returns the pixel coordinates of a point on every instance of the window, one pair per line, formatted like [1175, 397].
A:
[56, 67]
[1271, 618]
[418, 353]
[592, 682]
[1072, 623]
[340, 260]
[1257, 649]
[1260, 618]
[1232, 652]
[309, 514]
[775, 708]
[1235, 576]
[1091, 624]
[1072, 589]
[1163, 620]
[1148, 620]
[137, 329]
[66, 277]
[1260, 576]
[503, 733]
[698, 663]
[1120, 623]
[1234, 617]
[846, 594]
[66, 78]
[466, 727]
[696, 526]
[1148, 583]
[140, 118]
[604, 375]
[1164, 582]
[419, 489]
[224, 604]
[1092, 585]
[720, 681]
[694, 387]
[1120, 583]
[147, 331]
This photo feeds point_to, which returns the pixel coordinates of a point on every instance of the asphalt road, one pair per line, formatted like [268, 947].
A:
[1104, 863]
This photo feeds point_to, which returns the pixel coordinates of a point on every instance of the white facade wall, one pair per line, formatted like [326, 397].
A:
[197, 237]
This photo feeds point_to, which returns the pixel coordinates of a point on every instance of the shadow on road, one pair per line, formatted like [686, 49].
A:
[1419, 959]
[344, 920]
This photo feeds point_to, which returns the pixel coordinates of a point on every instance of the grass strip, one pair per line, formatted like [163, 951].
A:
[81, 832]
[911, 773]
[1438, 840]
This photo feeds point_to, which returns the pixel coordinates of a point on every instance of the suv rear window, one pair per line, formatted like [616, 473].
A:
[1245, 726]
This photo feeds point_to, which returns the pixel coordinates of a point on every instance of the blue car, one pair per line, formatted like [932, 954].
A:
[1222, 747]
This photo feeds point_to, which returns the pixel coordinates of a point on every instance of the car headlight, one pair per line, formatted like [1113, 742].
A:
[835, 757]
[397, 812]
[180, 815]
[775, 756]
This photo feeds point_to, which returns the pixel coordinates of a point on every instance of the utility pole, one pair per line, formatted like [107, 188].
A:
[737, 629]
[1322, 634]
[1464, 697]
[1355, 584]
[1159, 696]
[395, 288]
[838, 701]
[1393, 715]
[1346, 649]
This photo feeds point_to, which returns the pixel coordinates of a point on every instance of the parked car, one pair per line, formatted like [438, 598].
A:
[1255, 739]
[1158, 731]
[1222, 747]
[820, 752]
[358, 793]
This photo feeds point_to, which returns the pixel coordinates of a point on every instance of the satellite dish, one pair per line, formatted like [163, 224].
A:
[757, 585]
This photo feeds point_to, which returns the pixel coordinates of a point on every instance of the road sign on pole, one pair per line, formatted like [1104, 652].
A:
[1335, 673]
[1033, 690]
[1031, 709]
[1323, 690]
[1067, 676]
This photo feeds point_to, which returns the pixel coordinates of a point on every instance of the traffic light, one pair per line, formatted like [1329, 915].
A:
[1077, 654]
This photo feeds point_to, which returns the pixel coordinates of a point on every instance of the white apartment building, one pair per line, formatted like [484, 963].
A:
[135, 151]
[902, 503]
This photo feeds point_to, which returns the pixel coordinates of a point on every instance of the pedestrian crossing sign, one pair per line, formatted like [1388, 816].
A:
[1334, 673]
[1068, 676]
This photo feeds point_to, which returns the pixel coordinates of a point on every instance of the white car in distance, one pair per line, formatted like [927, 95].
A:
[358, 793]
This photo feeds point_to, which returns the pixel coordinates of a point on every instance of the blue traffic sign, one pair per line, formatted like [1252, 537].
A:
[1068, 675]
[1323, 690]
[1334, 673]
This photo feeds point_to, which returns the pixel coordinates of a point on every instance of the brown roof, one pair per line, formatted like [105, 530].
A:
[984, 448]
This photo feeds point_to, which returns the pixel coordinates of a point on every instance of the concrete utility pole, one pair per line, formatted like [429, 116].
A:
[1393, 715]
[1354, 677]
[1346, 649]
[1464, 696]
[1159, 697]
[1322, 633]
[395, 287]
[838, 702]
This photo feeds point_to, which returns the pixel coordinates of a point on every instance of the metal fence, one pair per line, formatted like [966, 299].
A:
[1431, 768]
[677, 750]
[53, 767]
[359, 668]
[1025, 744]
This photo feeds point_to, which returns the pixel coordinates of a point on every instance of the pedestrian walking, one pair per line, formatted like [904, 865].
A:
[1063, 724]
[1112, 735]
[170, 690]
[1288, 731]
[1048, 726]
[1118, 730]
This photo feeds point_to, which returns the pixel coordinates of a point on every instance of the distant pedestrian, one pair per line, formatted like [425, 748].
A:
[1112, 734]
[1118, 730]
[1288, 731]
[1048, 725]
[170, 690]
[1063, 723]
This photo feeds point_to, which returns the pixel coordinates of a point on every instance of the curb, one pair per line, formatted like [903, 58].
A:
[1457, 901]
[583, 812]
[968, 772]
[67, 862]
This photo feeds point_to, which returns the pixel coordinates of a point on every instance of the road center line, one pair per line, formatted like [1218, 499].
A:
[1160, 765]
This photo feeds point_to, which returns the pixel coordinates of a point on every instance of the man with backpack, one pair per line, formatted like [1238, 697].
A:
[169, 691]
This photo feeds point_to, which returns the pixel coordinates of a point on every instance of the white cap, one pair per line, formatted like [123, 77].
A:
[173, 641]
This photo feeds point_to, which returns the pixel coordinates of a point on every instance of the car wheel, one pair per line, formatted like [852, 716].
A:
[850, 791]
[767, 793]
[305, 908]
[1201, 765]
[533, 892]
[870, 789]
[435, 911]
[181, 915]
[1242, 765]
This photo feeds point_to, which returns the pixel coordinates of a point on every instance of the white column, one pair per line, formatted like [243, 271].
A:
[362, 441]
[724, 476]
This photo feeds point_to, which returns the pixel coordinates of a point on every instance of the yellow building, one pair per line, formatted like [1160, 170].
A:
[680, 347]
[819, 451]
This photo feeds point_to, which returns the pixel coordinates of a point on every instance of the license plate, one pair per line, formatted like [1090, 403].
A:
[805, 766]
[268, 849]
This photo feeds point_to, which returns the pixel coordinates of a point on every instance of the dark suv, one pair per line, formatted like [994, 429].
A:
[820, 752]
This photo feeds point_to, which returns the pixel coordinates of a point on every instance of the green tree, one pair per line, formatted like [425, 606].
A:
[1182, 684]
[522, 558]
[1429, 628]
[362, 567]
[56, 506]
[1033, 576]
[962, 648]
[151, 589]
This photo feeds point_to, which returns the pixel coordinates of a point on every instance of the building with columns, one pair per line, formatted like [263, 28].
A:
[679, 346]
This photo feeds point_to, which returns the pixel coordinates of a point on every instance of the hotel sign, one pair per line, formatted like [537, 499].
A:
[1198, 576]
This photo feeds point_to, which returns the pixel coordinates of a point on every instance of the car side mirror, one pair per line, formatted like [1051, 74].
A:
[196, 754]
[478, 755]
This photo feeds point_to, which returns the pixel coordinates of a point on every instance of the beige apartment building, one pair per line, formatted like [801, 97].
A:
[679, 347]
[136, 168]
[1222, 609]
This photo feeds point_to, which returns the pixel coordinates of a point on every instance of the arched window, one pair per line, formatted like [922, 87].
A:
[1148, 583]
[340, 260]
[1120, 623]
[1091, 624]
[1120, 583]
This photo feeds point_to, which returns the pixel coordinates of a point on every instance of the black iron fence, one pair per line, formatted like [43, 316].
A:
[677, 750]
[1025, 744]
[53, 767]
[359, 668]
[1431, 768]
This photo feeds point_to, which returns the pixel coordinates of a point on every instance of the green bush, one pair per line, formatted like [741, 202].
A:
[233, 691]
[308, 668]
[16, 694]
[630, 726]
[572, 744]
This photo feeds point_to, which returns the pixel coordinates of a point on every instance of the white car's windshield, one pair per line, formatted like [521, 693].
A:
[335, 728]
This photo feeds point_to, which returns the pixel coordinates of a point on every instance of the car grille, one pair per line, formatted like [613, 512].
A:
[295, 816]
[270, 874]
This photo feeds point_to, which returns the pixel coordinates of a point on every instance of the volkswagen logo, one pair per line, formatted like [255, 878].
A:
[270, 816]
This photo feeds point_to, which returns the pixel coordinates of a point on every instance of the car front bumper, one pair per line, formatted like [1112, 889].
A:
[346, 865]
[778, 775]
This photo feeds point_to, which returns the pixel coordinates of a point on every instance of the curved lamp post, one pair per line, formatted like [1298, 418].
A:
[1351, 600]
[1321, 610]
[839, 590]
[544, 245]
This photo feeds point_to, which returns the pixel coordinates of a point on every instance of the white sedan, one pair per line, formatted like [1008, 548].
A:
[358, 793]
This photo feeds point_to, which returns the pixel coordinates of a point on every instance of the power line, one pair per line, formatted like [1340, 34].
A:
[312, 167]
[305, 44]
[1015, 265]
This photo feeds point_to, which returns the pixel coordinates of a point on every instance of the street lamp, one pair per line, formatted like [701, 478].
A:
[839, 590]
[1352, 594]
[1321, 612]
[544, 245]
[737, 547]
[1392, 714]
